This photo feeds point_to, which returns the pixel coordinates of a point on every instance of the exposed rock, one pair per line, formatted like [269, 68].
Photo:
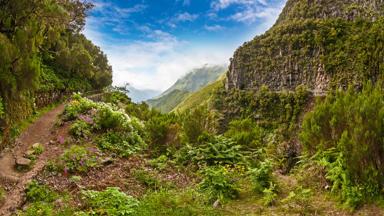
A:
[294, 52]
[36, 145]
[23, 162]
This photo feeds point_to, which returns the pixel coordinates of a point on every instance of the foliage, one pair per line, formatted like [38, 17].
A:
[299, 199]
[213, 151]
[246, 133]
[270, 109]
[219, 183]
[1, 108]
[79, 159]
[44, 53]
[195, 122]
[80, 129]
[150, 180]
[122, 143]
[261, 176]
[36, 192]
[269, 194]
[162, 133]
[111, 202]
[172, 202]
[78, 105]
[347, 127]
[168, 102]
[159, 163]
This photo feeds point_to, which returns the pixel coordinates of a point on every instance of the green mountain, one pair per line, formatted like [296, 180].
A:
[320, 44]
[203, 96]
[191, 82]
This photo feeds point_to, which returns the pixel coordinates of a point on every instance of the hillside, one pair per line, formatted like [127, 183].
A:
[321, 44]
[295, 127]
[139, 95]
[167, 102]
[201, 97]
[191, 82]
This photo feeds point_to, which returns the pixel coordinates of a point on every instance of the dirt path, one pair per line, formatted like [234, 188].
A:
[15, 182]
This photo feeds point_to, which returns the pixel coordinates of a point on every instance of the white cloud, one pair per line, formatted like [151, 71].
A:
[222, 4]
[182, 17]
[156, 63]
[213, 27]
[248, 11]
[251, 14]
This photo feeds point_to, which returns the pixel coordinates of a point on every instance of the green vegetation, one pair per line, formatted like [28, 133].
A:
[345, 131]
[202, 97]
[45, 57]
[111, 202]
[167, 102]
[185, 88]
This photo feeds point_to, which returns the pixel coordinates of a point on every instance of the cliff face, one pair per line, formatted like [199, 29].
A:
[317, 43]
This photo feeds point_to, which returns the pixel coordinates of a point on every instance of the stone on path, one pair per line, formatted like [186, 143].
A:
[23, 162]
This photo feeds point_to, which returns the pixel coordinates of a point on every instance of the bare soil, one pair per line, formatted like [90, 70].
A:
[14, 182]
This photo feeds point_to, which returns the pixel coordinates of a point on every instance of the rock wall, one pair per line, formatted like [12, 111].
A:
[295, 51]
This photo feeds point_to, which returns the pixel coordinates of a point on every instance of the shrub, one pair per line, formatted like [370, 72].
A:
[298, 200]
[39, 209]
[351, 123]
[172, 202]
[2, 112]
[111, 202]
[261, 176]
[219, 183]
[77, 106]
[36, 192]
[194, 124]
[107, 118]
[122, 143]
[246, 133]
[212, 151]
[160, 162]
[269, 194]
[79, 159]
[150, 180]
[80, 129]
[162, 133]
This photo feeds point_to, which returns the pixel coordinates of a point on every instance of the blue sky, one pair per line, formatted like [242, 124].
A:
[152, 43]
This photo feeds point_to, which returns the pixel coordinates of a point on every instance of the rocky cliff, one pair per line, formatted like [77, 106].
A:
[318, 43]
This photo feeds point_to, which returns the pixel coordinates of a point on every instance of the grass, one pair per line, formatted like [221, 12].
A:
[201, 97]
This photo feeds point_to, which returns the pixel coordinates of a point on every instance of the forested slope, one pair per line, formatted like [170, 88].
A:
[44, 56]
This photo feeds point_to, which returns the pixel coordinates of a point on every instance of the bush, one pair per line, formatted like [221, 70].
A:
[168, 203]
[298, 200]
[195, 123]
[2, 112]
[80, 129]
[39, 209]
[110, 202]
[79, 159]
[213, 150]
[350, 124]
[261, 176]
[269, 194]
[162, 133]
[36, 192]
[219, 183]
[77, 106]
[246, 133]
[123, 144]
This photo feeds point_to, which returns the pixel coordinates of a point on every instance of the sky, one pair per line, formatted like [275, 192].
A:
[152, 43]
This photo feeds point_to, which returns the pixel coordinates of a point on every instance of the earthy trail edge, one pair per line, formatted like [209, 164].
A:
[38, 132]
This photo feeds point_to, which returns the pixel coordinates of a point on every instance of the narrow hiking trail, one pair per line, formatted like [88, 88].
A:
[14, 182]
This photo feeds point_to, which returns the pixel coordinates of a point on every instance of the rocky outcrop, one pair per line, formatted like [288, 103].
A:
[317, 43]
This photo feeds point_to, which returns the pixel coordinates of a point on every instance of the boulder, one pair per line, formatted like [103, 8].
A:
[23, 162]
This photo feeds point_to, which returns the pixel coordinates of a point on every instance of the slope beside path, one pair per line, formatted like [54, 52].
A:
[41, 131]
